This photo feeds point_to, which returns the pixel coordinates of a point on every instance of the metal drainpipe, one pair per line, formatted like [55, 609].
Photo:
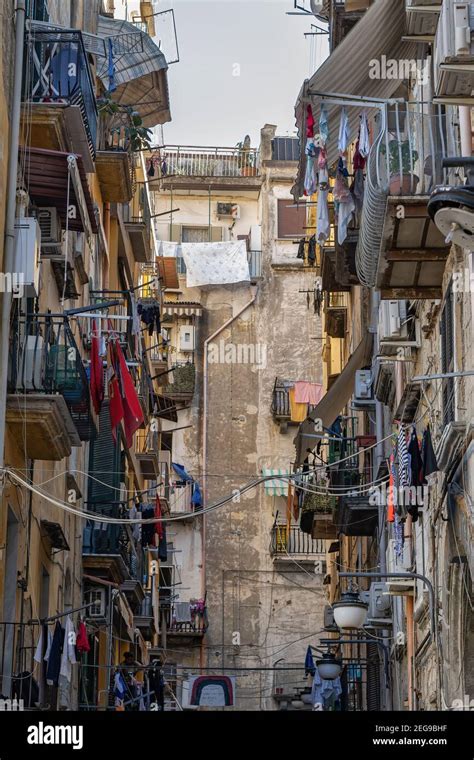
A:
[204, 429]
[20, 12]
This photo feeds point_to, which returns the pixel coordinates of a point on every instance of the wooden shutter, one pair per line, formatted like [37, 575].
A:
[291, 219]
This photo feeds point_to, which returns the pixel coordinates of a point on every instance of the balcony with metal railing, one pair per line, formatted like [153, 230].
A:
[137, 220]
[185, 619]
[183, 381]
[111, 549]
[114, 160]
[18, 642]
[400, 249]
[59, 94]
[290, 542]
[48, 405]
[188, 166]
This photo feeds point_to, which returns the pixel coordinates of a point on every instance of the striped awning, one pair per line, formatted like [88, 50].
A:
[182, 309]
[139, 73]
[277, 486]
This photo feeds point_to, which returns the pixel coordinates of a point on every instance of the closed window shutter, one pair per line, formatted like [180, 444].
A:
[291, 220]
[447, 357]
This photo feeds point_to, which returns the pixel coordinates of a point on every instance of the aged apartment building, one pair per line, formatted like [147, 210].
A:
[387, 155]
[81, 404]
[236, 351]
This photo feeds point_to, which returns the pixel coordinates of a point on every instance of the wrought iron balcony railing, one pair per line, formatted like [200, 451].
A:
[292, 541]
[45, 359]
[196, 161]
[188, 617]
[18, 642]
[58, 73]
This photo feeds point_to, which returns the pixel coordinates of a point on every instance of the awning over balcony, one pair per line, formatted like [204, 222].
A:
[347, 72]
[278, 486]
[333, 402]
[183, 309]
[139, 73]
[46, 179]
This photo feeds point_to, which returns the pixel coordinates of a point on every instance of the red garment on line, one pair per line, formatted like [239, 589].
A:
[82, 640]
[97, 373]
[158, 515]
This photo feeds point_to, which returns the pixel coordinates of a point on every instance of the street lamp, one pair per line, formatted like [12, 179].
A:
[350, 611]
[329, 668]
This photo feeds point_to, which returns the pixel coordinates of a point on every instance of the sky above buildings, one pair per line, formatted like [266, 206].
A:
[242, 63]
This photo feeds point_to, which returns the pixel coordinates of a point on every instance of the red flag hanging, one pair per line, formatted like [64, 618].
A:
[97, 372]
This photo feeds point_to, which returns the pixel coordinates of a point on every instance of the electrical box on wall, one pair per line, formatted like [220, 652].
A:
[186, 338]
[27, 255]
[363, 385]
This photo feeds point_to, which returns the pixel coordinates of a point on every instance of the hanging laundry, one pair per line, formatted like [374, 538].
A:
[323, 225]
[96, 371]
[324, 125]
[359, 161]
[344, 132]
[150, 316]
[132, 410]
[136, 529]
[196, 499]
[308, 393]
[163, 547]
[391, 486]
[345, 211]
[310, 121]
[312, 250]
[116, 410]
[54, 659]
[309, 665]
[364, 136]
[68, 656]
[310, 179]
[403, 468]
[298, 412]
[430, 464]
[182, 612]
[120, 688]
[318, 300]
[416, 474]
[358, 191]
[39, 656]
[148, 529]
[82, 639]
[158, 514]
[301, 245]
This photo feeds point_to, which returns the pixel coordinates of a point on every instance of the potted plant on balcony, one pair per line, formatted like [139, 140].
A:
[401, 158]
[246, 158]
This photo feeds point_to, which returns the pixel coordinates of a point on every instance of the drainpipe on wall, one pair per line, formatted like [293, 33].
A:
[204, 431]
[465, 130]
[20, 12]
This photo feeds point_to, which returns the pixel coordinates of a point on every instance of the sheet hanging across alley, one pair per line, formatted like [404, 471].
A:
[215, 263]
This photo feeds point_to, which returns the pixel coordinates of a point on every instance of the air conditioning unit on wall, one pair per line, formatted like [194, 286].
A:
[96, 599]
[228, 209]
[453, 47]
[51, 232]
[399, 564]
[27, 255]
[187, 338]
[393, 328]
